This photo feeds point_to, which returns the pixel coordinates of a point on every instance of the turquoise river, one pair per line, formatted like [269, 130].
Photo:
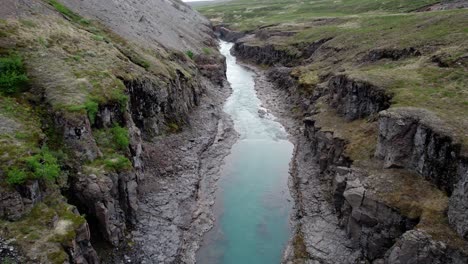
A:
[253, 202]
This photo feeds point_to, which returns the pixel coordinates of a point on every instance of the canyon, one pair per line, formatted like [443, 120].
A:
[144, 132]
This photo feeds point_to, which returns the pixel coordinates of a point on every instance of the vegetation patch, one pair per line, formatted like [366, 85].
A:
[300, 249]
[41, 166]
[68, 13]
[112, 139]
[42, 229]
[189, 54]
[13, 78]
[90, 106]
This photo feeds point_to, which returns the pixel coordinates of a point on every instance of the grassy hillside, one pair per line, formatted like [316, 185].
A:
[61, 66]
[245, 14]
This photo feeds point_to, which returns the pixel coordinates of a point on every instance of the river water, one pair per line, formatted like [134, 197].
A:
[252, 201]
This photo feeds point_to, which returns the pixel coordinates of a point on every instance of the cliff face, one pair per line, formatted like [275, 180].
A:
[108, 83]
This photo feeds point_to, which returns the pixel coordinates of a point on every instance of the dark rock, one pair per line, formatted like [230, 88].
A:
[77, 135]
[269, 54]
[107, 198]
[227, 34]
[370, 223]
[11, 204]
[153, 103]
[109, 115]
[354, 99]
[392, 54]
[417, 140]
[81, 251]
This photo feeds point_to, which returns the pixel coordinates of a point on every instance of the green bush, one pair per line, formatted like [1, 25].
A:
[41, 166]
[44, 165]
[120, 137]
[190, 54]
[12, 74]
[16, 176]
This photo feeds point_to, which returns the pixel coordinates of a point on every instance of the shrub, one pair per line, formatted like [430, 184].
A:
[16, 176]
[190, 54]
[12, 74]
[120, 137]
[44, 165]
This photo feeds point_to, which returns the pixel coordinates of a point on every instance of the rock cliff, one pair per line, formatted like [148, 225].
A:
[113, 89]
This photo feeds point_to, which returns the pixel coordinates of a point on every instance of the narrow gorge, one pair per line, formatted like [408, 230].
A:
[233, 131]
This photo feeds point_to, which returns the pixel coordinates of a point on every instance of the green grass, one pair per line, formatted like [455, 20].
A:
[120, 137]
[91, 107]
[117, 162]
[111, 140]
[248, 15]
[68, 13]
[13, 78]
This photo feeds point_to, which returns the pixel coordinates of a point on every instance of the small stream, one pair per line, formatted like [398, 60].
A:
[252, 201]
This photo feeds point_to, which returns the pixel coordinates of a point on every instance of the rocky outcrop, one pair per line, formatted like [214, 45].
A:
[212, 67]
[372, 225]
[458, 205]
[227, 34]
[77, 136]
[263, 54]
[154, 105]
[417, 140]
[147, 49]
[80, 249]
[327, 148]
[392, 54]
[355, 99]
[417, 246]
[249, 50]
[17, 201]
[99, 196]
